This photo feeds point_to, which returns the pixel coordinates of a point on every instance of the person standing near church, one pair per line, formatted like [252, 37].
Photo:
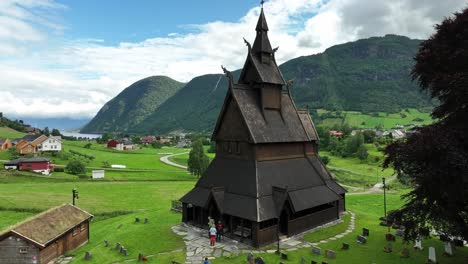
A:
[219, 231]
[212, 235]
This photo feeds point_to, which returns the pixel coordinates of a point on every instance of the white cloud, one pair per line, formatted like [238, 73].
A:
[78, 77]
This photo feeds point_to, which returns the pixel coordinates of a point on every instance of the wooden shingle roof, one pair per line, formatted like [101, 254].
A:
[47, 226]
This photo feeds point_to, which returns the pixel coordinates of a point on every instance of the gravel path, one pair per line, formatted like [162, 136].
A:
[165, 159]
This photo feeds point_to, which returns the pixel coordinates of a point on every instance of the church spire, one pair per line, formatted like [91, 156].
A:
[262, 43]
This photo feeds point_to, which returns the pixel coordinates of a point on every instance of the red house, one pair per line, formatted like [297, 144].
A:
[112, 143]
[40, 165]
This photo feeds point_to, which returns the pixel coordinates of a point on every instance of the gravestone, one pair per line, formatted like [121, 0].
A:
[88, 255]
[388, 248]
[118, 246]
[330, 254]
[137, 219]
[250, 258]
[390, 237]
[361, 239]
[399, 232]
[444, 238]
[146, 220]
[303, 261]
[316, 250]
[404, 253]
[432, 255]
[448, 249]
[106, 243]
[313, 262]
[284, 256]
[122, 249]
[324, 262]
[259, 260]
[235, 251]
[365, 232]
[345, 246]
[418, 244]
[140, 257]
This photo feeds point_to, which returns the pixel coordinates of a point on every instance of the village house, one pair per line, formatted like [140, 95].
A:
[164, 140]
[52, 143]
[37, 164]
[147, 140]
[28, 144]
[124, 144]
[5, 143]
[336, 133]
[112, 143]
[267, 179]
[46, 236]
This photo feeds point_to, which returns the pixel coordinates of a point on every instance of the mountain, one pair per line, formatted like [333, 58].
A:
[133, 105]
[368, 75]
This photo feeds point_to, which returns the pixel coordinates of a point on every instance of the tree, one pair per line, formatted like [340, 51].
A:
[362, 153]
[55, 132]
[157, 145]
[198, 160]
[75, 167]
[46, 131]
[434, 160]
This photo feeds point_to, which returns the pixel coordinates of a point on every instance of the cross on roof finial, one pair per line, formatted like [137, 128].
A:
[262, 2]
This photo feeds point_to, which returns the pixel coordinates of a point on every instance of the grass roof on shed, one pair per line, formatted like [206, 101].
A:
[49, 225]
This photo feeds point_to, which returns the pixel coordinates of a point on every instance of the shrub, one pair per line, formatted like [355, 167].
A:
[325, 159]
[75, 167]
[88, 145]
[59, 169]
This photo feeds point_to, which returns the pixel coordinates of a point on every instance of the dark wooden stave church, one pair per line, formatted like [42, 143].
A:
[266, 177]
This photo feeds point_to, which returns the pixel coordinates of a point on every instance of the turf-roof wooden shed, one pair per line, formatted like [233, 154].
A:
[45, 236]
[267, 177]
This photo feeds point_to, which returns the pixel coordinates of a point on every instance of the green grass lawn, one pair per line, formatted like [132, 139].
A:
[113, 204]
[387, 120]
[368, 208]
[6, 132]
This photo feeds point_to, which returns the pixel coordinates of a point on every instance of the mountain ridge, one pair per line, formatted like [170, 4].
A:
[367, 75]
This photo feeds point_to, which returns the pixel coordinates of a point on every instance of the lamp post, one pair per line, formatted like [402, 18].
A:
[385, 203]
[75, 194]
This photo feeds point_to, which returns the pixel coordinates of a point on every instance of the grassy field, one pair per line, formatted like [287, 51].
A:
[116, 204]
[6, 132]
[387, 120]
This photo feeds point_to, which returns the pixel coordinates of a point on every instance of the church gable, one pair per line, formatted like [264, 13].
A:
[231, 126]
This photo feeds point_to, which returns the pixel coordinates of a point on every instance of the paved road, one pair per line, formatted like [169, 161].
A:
[165, 159]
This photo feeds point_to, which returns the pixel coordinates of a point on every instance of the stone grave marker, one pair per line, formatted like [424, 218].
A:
[122, 249]
[137, 219]
[399, 232]
[313, 262]
[316, 250]
[330, 254]
[88, 255]
[361, 239]
[388, 248]
[284, 256]
[432, 255]
[303, 261]
[235, 251]
[250, 258]
[118, 246]
[404, 253]
[259, 260]
[106, 243]
[448, 249]
[146, 220]
[324, 262]
[345, 246]
[140, 257]
[365, 232]
[418, 244]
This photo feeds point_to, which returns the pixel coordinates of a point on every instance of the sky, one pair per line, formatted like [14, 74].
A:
[67, 58]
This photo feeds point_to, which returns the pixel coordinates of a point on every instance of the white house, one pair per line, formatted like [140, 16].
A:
[52, 143]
